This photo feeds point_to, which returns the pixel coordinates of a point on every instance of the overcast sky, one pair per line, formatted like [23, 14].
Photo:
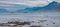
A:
[58, 1]
[27, 2]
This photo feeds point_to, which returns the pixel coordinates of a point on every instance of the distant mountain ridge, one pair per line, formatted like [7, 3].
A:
[7, 8]
[51, 7]
[54, 6]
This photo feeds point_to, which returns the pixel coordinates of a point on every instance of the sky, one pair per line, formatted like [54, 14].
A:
[28, 2]
[58, 1]
[10, 4]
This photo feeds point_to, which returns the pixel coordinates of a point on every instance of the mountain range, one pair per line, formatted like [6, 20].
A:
[51, 7]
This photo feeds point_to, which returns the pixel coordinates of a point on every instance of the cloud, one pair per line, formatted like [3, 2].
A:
[58, 1]
[26, 2]
[11, 6]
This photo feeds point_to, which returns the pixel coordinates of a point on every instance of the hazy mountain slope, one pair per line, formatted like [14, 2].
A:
[15, 8]
[52, 7]
[11, 7]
